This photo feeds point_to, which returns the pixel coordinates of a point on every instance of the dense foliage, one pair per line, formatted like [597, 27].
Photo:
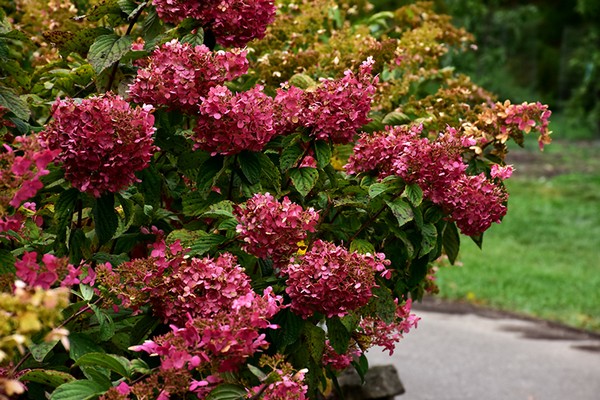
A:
[228, 200]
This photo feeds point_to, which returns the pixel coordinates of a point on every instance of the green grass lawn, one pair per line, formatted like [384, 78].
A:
[543, 260]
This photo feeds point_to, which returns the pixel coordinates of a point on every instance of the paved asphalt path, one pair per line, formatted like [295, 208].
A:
[464, 353]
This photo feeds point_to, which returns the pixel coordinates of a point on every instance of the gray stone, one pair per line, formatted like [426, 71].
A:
[381, 383]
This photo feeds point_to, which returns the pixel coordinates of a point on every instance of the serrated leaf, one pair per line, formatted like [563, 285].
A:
[414, 194]
[114, 363]
[39, 351]
[227, 392]
[270, 172]
[150, 185]
[16, 34]
[378, 188]
[302, 81]
[401, 210]
[338, 334]
[323, 153]
[304, 179]
[7, 262]
[451, 242]
[103, 8]
[205, 243]
[78, 390]
[314, 340]
[362, 246]
[194, 39]
[78, 42]
[152, 25]
[395, 118]
[106, 219]
[107, 326]
[219, 210]
[362, 366]
[290, 156]
[293, 329]
[11, 100]
[257, 372]
[250, 165]
[429, 240]
[108, 49]
[385, 306]
[208, 174]
[47, 377]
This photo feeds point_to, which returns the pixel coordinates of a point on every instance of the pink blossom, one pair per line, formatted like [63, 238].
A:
[376, 332]
[102, 142]
[177, 75]
[286, 387]
[339, 361]
[234, 22]
[229, 123]
[332, 281]
[272, 229]
[501, 172]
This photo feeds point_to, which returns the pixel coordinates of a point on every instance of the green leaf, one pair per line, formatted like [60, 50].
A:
[395, 118]
[362, 246]
[7, 262]
[362, 366]
[11, 100]
[257, 372]
[270, 172]
[414, 194]
[451, 242]
[142, 329]
[119, 365]
[205, 243]
[250, 165]
[313, 339]
[108, 49]
[80, 344]
[63, 211]
[227, 392]
[103, 8]
[378, 188]
[39, 351]
[293, 329]
[385, 306]
[78, 390]
[195, 39]
[222, 209]
[78, 42]
[106, 219]
[290, 156]
[304, 179]
[151, 185]
[401, 210]
[107, 326]
[208, 174]
[429, 240]
[152, 25]
[323, 153]
[47, 377]
[338, 334]
[302, 81]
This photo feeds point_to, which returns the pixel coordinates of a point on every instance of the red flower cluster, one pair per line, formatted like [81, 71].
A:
[233, 22]
[331, 280]
[286, 387]
[272, 229]
[335, 110]
[103, 142]
[376, 332]
[217, 316]
[229, 123]
[474, 202]
[20, 177]
[178, 74]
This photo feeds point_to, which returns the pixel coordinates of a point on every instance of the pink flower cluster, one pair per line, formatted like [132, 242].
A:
[376, 332]
[335, 110]
[474, 202]
[525, 117]
[178, 74]
[217, 317]
[234, 22]
[50, 270]
[102, 142]
[337, 361]
[273, 229]
[229, 123]
[332, 281]
[21, 167]
[286, 387]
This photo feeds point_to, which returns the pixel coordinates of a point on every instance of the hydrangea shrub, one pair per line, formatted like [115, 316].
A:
[232, 199]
